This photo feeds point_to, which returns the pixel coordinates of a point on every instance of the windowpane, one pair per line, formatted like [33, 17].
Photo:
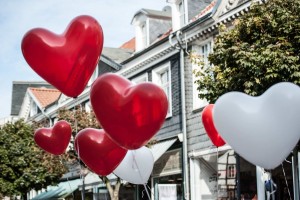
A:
[181, 10]
[203, 51]
[161, 76]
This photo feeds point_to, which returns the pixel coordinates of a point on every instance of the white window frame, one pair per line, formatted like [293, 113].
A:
[88, 107]
[156, 73]
[140, 79]
[199, 49]
[181, 9]
[93, 77]
[33, 108]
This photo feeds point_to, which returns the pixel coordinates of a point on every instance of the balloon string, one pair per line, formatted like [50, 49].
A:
[286, 182]
[137, 167]
[70, 188]
[147, 192]
[217, 172]
[81, 168]
[135, 163]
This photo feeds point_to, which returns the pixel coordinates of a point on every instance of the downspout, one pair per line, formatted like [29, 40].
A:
[183, 111]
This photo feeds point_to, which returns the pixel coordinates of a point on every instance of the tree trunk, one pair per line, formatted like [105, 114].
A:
[113, 190]
[24, 196]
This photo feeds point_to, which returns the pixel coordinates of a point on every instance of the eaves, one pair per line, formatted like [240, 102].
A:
[69, 104]
[158, 51]
[110, 62]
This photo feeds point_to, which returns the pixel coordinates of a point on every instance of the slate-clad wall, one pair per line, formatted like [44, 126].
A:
[196, 6]
[158, 27]
[172, 125]
[197, 137]
[104, 68]
[18, 93]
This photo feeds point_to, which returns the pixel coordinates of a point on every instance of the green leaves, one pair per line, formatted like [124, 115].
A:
[23, 166]
[261, 50]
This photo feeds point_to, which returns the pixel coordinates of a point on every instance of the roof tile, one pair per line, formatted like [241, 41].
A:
[45, 96]
[129, 45]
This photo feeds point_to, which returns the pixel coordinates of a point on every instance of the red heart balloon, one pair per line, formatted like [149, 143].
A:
[66, 61]
[54, 140]
[208, 123]
[130, 114]
[98, 151]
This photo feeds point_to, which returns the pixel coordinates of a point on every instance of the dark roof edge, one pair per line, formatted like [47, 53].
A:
[188, 26]
[31, 82]
[110, 62]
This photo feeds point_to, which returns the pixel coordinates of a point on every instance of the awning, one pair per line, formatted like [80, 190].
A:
[93, 179]
[160, 148]
[62, 190]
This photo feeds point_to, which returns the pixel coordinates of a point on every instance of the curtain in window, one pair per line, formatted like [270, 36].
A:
[167, 192]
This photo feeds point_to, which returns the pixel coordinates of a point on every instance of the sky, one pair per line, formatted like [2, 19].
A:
[19, 16]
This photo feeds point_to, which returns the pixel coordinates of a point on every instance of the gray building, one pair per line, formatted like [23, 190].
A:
[187, 164]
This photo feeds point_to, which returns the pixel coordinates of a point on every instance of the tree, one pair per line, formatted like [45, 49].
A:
[23, 166]
[262, 49]
[80, 119]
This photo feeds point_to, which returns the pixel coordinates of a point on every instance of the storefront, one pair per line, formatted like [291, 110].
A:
[223, 174]
[167, 175]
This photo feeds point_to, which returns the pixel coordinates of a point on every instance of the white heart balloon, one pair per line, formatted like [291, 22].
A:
[137, 166]
[264, 129]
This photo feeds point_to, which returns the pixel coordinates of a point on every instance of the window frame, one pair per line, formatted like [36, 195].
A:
[94, 76]
[140, 79]
[156, 80]
[197, 102]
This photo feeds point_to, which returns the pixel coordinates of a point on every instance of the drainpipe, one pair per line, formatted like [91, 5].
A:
[183, 111]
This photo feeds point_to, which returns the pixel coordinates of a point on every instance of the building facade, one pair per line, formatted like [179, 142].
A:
[187, 164]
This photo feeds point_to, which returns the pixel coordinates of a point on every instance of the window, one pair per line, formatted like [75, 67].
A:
[162, 77]
[140, 79]
[144, 35]
[203, 51]
[93, 77]
[88, 106]
[33, 109]
[181, 13]
[231, 171]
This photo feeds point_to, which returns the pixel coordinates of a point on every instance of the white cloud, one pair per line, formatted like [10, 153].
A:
[19, 16]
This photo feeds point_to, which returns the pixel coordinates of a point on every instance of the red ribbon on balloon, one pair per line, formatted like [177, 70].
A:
[208, 123]
[130, 114]
[98, 151]
[54, 140]
[67, 61]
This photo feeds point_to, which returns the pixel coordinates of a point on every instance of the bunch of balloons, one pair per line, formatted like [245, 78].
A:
[263, 130]
[129, 114]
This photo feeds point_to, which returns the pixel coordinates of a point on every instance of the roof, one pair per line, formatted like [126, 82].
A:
[161, 14]
[45, 96]
[116, 54]
[19, 89]
[130, 45]
[206, 10]
[160, 148]
[62, 190]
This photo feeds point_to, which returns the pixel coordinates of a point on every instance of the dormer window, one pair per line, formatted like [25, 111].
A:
[150, 25]
[181, 13]
[178, 14]
[144, 35]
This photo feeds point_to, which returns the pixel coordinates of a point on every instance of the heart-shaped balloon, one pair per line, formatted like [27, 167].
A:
[264, 129]
[54, 140]
[209, 126]
[67, 61]
[137, 166]
[98, 151]
[130, 114]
